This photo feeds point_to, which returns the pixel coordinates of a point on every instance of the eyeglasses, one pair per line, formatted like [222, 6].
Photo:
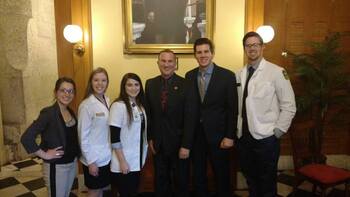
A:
[254, 45]
[67, 91]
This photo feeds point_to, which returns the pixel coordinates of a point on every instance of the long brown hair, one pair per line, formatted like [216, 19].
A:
[123, 96]
[89, 89]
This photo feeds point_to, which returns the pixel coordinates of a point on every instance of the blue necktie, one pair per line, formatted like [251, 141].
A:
[245, 94]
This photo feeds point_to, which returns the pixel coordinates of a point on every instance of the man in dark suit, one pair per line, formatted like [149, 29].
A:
[165, 98]
[213, 99]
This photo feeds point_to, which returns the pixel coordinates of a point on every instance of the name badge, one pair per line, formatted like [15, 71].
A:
[100, 114]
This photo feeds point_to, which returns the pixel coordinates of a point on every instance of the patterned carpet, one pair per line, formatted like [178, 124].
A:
[23, 179]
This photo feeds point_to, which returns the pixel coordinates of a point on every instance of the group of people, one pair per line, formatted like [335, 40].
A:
[184, 121]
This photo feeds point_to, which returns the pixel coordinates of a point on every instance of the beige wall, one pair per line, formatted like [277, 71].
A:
[107, 32]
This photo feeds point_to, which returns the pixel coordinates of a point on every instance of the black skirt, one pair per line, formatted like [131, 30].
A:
[97, 182]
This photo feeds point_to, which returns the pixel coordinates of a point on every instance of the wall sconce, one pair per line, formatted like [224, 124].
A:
[266, 32]
[74, 35]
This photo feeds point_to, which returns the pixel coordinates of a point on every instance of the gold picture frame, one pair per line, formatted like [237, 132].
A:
[147, 24]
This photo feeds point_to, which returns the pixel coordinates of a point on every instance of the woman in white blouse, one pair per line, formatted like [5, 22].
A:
[93, 133]
[127, 122]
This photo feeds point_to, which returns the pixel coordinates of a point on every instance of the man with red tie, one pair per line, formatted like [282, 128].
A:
[165, 98]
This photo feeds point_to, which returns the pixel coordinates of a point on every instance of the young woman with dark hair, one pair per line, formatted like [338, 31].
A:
[59, 147]
[127, 123]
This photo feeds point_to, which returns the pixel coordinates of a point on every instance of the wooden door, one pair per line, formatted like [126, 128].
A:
[296, 22]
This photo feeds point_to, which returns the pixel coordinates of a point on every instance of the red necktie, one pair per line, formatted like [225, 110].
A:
[164, 94]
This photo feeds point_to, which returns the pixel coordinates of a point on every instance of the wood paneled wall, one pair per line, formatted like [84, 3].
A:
[70, 64]
[296, 22]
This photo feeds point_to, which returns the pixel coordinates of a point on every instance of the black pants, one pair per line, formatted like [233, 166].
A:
[220, 163]
[171, 175]
[258, 161]
[127, 184]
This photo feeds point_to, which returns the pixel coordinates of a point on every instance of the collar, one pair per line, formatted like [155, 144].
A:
[208, 70]
[255, 65]
[168, 80]
[57, 106]
[94, 99]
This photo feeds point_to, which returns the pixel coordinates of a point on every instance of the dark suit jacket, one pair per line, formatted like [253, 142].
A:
[218, 112]
[166, 128]
[50, 126]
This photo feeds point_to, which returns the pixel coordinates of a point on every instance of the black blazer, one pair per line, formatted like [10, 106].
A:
[50, 126]
[166, 129]
[219, 109]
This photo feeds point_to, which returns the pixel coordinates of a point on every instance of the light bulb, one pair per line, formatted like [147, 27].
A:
[266, 32]
[73, 33]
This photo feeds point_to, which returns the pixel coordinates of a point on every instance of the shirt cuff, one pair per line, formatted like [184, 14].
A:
[117, 145]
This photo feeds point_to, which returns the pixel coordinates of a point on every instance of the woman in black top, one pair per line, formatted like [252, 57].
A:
[59, 147]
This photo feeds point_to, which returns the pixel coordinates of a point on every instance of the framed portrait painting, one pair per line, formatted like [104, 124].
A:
[153, 25]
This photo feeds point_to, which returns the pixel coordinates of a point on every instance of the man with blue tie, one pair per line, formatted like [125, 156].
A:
[266, 107]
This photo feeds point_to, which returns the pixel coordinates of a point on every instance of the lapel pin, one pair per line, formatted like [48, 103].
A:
[175, 87]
